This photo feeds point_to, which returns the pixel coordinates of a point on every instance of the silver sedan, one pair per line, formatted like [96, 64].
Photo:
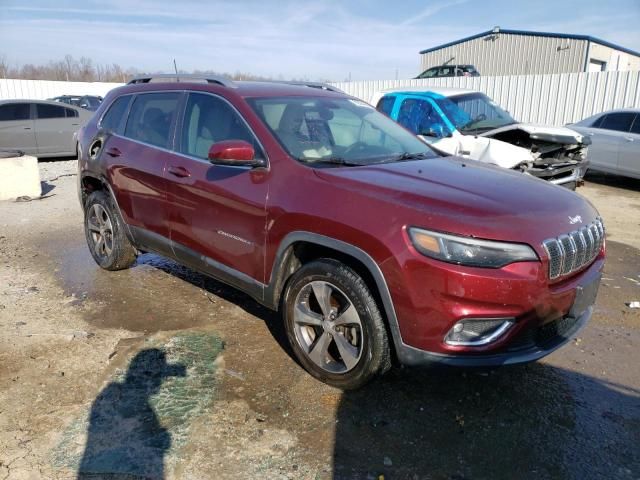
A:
[615, 137]
[40, 128]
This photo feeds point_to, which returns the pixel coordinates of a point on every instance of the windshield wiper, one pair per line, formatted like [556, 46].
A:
[332, 160]
[409, 156]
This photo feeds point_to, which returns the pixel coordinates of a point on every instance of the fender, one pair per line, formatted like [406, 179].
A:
[274, 289]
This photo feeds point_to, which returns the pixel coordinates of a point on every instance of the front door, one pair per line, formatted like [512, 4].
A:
[17, 131]
[217, 213]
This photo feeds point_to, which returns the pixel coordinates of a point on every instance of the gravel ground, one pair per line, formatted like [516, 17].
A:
[172, 375]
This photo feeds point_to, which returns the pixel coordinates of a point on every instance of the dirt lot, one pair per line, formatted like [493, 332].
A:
[160, 372]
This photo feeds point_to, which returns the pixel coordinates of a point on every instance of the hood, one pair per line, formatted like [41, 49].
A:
[466, 197]
[562, 135]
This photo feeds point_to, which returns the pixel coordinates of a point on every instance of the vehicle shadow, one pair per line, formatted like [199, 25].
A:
[272, 319]
[612, 180]
[125, 438]
[534, 421]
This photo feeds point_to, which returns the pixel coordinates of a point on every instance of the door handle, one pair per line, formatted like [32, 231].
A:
[27, 128]
[113, 152]
[629, 139]
[179, 172]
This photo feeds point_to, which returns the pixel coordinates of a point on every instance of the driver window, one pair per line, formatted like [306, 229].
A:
[208, 120]
[421, 118]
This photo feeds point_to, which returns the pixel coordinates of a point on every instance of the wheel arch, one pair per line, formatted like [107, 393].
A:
[300, 247]
[89, 183]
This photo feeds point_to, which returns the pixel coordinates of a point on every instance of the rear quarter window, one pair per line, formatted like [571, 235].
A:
[113, 119]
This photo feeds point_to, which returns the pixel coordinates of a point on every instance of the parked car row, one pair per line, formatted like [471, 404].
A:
[373, 245]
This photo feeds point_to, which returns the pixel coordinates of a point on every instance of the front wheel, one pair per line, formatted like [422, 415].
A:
[334, 325]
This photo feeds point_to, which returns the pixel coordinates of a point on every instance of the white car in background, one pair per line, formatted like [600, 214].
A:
[469, 124]
[40, 128]
[615, 137]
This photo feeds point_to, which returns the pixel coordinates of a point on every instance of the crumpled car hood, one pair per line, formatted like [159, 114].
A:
[547, 133]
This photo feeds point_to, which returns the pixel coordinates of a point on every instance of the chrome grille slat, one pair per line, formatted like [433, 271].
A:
[571, 252]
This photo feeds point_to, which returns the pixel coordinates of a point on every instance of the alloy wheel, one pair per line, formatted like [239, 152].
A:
[101, 230]
[328, 327]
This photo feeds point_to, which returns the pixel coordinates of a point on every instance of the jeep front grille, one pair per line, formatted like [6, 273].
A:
[569, 253]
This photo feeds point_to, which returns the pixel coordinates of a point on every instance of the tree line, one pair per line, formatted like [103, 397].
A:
[84, 69]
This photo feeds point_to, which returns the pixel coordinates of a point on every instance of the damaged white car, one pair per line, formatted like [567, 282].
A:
[470, 124]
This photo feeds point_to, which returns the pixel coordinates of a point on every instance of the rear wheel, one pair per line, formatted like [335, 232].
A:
[334, 325]
[104, 231]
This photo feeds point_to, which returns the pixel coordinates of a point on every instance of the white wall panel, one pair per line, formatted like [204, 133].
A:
[553, 99]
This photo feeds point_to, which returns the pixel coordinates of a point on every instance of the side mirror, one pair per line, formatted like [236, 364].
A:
[436, 131]
[233, 152]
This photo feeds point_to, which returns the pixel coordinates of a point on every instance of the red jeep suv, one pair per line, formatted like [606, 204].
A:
[373, 247]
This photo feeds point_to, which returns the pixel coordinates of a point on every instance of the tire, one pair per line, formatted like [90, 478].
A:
[334, 325]
[102, 221]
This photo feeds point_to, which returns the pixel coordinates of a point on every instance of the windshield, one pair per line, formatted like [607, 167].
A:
[338, 131]
[474, 113]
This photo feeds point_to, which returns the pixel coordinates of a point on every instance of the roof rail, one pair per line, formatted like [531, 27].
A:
[172, 77]
[318, 85]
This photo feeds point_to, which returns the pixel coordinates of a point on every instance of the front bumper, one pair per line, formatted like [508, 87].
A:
[535, 344]
[546, 316]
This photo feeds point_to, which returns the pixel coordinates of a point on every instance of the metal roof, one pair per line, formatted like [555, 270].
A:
[535, 34]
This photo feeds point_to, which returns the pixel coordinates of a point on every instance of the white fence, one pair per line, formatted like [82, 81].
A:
[554, 99]
[43, 89]
[551, 99]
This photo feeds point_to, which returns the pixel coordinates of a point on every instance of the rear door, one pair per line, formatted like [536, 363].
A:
[607, 137]
[55, 126]
[135, 162]
[217, 212]
[17, 130]
[629, 156]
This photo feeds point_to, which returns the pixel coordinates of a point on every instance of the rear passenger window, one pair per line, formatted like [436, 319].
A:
[635, 128]
[151, 117]
[620, 122]
[208, 120]
[45, 111]
[112, 120]
[385, 105]
[14, 112]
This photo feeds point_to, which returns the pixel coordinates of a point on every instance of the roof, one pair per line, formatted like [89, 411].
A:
[443, 91]
[535, 34]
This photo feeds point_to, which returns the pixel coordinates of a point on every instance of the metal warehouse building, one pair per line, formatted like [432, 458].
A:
[518, 52]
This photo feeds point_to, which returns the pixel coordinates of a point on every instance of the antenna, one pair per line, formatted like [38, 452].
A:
[176, 69]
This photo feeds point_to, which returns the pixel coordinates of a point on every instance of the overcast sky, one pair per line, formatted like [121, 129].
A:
[320, 40]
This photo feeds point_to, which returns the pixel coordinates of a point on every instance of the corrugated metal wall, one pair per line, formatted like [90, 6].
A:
[550, 99]
[510, 54]
[43, 89]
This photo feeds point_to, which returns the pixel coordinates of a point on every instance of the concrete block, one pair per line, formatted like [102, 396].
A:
[19, 177]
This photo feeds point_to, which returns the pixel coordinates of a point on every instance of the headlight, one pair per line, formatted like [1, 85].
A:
[469, 251]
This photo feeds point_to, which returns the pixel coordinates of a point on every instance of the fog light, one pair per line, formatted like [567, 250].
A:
[473, 332]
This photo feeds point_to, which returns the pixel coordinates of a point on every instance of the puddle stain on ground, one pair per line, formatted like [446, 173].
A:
[143, 421]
